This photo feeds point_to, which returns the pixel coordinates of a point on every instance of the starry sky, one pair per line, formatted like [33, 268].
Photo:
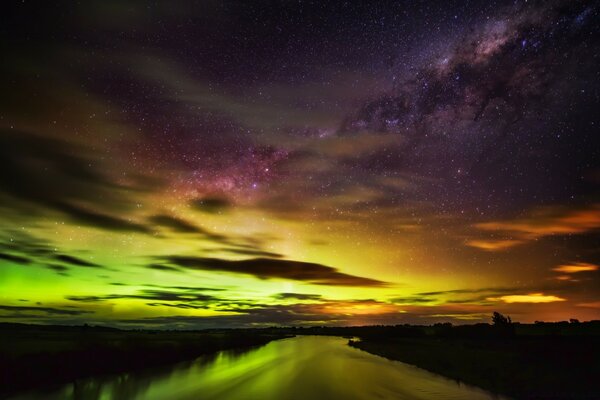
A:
[230, 164]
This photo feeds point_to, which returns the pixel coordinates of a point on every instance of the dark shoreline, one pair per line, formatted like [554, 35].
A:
[34, 357]
[520, 367]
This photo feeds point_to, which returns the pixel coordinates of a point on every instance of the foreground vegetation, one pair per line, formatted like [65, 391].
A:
[34, 356]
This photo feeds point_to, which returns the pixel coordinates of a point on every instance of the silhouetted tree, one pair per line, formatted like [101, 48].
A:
[503, 325]
[500, 320]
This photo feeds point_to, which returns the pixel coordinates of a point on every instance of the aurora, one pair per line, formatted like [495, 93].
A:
[205, 165]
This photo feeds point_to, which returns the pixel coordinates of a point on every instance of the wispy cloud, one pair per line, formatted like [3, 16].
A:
[542, 223]
[176, 224]
[576, 267]
[297, 296]
[18, 310]
[76, 261]
[494, 244]
[592, 304]
[188, 295]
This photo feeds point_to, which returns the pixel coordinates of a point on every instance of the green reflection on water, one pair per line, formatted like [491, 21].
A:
[309, 367]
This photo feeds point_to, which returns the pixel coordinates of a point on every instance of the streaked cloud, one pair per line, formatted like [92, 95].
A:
[592, 304]
[76, 261]
[494, 245]
[527, 298]
[19, 311]
[186, 295]
[576, 267]
[265, 268]
[542, 223]
[175, 224]
[298, 296]
[211, 205]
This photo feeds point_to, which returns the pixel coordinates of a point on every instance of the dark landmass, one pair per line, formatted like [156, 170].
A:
[529, 361]
[37, 356]
[541, 361]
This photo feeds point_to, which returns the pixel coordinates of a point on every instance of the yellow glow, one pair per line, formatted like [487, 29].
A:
[527, 298]
[366, 308]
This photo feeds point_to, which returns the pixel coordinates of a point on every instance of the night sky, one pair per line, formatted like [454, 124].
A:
[228, 164]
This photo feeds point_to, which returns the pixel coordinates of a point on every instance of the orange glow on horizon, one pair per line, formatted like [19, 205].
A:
[360, 308]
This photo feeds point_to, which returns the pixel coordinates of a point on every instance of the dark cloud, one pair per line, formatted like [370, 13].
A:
[185, 306]
[27, 244]
[14, 258]
[478, 296]
[43, 310]
[297, 296]
[192, 288]
[265, 268]
[59, 269]
[91, 299]
[175, 224]
[36, 251]
[33, 167]
[251, 252]
[56, 175]
[277, 315]
[183, 294]
[99, 219]
[76, 261]
[412, 300]
[491, 296]
[268, 315]
[179, 225]
[211, 205]
[470, 291]
[161, 267]
[165, 295]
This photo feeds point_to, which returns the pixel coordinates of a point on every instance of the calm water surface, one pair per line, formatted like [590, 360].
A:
[303, 368]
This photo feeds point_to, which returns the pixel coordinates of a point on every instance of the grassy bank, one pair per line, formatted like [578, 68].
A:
[37, 356]
[526, 367]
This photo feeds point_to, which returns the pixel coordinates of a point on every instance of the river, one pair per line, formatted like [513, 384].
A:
[302, 368]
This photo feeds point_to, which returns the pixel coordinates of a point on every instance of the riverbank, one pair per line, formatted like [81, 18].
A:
[531, 367]
[33, 356]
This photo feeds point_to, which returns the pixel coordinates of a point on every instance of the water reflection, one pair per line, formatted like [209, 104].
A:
[307, 367]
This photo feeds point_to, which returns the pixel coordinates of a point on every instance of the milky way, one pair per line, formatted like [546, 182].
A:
[232, 164]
